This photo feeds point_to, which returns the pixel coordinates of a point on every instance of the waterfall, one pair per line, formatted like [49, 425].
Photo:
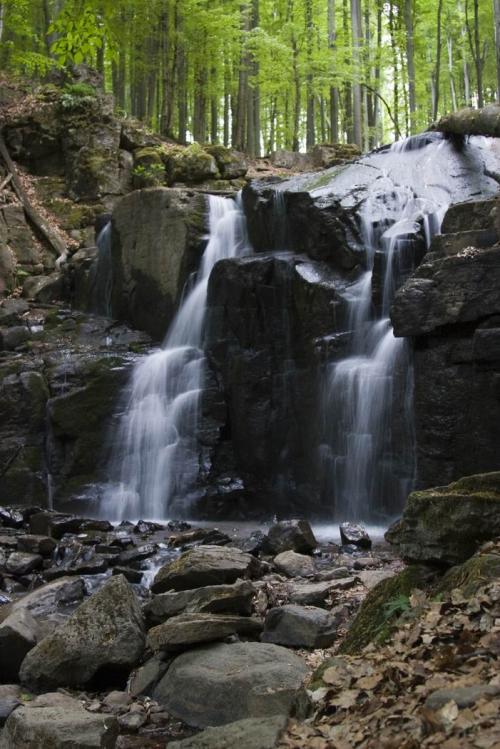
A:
[101, 278]
[367, 451]
[157, 456]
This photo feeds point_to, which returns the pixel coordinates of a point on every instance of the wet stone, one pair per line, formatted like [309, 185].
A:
[21, 563]
[354, 535]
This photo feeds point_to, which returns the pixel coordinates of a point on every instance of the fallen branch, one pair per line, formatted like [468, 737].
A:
[5, 182]
[386, 105]
[55, 243]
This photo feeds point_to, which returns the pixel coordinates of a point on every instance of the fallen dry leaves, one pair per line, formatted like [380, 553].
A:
[388, 697]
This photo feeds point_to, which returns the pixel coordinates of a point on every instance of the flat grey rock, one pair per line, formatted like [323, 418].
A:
[250, 733]
[212, 599]
[218, 684]
[205, 565]
[300, 627]
[186, 630]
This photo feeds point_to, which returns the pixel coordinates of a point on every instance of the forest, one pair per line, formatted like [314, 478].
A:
[260, 75]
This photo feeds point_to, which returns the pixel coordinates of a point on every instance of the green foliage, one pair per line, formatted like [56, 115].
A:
[79, 35]
[200, 69]
[396, 606]
[149, 175]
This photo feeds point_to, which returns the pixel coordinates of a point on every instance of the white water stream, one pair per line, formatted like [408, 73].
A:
[368, 449]
[157, 457]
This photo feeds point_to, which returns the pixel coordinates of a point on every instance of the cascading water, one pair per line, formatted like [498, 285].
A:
[157, 459]
[367, 449]
[101, 278]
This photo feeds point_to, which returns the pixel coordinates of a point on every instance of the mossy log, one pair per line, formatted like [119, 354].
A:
[470, 121]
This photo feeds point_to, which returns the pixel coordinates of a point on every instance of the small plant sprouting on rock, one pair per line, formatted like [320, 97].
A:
[397, 606]
[76, 95]
[151, 175]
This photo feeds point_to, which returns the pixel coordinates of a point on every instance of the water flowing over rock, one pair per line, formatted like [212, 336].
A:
[157, 460]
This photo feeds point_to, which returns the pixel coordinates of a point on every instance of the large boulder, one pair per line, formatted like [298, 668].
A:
[99, 644]
[223, 683]
[45, 600]
[300, 627]
[449, 290]
[294, 565]
[446, 525]
[294, 535]
[212, 599]
[190, 165]
[205, 565]
[157, 240]
[58, 723]
[19, 633]
[231, 164]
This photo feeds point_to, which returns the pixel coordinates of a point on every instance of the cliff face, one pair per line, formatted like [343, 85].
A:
[451, 308]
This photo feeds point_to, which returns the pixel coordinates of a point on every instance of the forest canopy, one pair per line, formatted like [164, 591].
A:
[265, 74]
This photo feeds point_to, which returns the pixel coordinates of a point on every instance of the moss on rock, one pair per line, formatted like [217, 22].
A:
[374, 622]
[445, 525]
[190, 165]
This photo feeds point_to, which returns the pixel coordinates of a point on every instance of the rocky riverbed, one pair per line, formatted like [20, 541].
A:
[154, 635]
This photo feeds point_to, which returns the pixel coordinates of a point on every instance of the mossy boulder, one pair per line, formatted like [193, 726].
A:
[149, 166]
[446, 525]
[157, 241]
[381, 607]
[231, 164]
[99, 644]
[190, 165]
[477, 571]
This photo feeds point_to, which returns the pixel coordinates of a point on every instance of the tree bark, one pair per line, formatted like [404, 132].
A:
[437, 69]
[310, 110]
[410, 61]
[496, 7]
[357, 37]
[395, 88]
[334, 92]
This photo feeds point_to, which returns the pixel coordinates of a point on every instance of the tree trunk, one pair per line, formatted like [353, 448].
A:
[410, 61]
[437, 69]
[182, 103]
[453, 90]
[357, 38]
[496, 6]
[395, 72]
[310, 112]
[334, 92]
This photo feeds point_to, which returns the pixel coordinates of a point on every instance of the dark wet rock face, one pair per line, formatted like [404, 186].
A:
[451, 308]
[157, 241]
[266, 318]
